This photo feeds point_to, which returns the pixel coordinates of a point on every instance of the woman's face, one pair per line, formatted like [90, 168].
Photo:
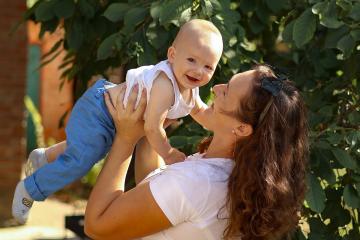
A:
[228, 96]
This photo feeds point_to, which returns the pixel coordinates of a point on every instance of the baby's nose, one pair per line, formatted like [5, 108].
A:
[198, 72]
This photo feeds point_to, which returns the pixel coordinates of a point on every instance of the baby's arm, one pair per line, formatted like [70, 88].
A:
[199, 113]
[161, 98]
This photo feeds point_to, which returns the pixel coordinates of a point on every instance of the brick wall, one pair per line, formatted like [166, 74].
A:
[12, 89]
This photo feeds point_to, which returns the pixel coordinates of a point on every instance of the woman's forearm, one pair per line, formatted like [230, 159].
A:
[146, 160]
[111, 181]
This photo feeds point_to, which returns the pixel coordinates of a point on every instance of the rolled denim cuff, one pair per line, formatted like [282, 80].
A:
[32, 188]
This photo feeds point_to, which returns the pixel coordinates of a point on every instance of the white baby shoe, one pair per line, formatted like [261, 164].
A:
[37, 159]
[22, 203]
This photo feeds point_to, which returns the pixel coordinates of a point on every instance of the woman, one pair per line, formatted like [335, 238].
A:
[247, 183]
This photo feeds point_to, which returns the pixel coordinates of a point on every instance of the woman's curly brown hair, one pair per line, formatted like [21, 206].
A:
[266, 188]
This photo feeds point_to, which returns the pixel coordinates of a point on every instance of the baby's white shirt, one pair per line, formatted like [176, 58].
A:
[144, 76]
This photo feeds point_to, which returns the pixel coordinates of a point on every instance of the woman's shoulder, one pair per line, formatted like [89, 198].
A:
[197, 166]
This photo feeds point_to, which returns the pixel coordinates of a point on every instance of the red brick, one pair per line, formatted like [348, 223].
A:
[13, 58]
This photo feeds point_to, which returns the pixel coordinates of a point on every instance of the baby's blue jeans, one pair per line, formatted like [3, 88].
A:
[89, 136]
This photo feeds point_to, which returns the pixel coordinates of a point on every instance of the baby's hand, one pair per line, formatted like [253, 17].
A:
[174, 156]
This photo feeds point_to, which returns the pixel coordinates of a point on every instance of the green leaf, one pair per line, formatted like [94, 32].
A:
[48, 26]
[107, 47]
[116, 11]
[195, 128]
[304, 28]
[157, 36]
[344, 4]
[135, 16]
[148, 55]
[323, 168]
[354, 234]
[327, 14]
[277, 5]
[355, 12]
[344, 158]
[53, 48]
[334, 138]
[331, 22]
[346, 44]
[314, 1]
[336, 213]
[319, 7]
[247, 5]
[44, 11]
[206, 7]
[357, 185]
[355, 34]
[315, 196]
[317, 229]
[334, 35]
[178, 141]
[194, 140]
[170, 10]
[86, 9]
[351, 198]
[287, 34]
[185, 16]
[64, 8]
[256, 25]
[354, 117]
[356, 178]
[155, 10]
[74, 35]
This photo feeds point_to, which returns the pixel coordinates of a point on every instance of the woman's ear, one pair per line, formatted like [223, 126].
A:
[171, 54]
[243, 130]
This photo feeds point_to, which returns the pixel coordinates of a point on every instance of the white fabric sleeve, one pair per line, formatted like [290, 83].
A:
[169, 192]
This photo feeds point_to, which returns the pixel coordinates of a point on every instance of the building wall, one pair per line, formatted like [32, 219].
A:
[53, 101]
[13, 52]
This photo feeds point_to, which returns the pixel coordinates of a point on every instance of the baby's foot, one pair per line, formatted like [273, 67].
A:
[37, 159]
[22, 203]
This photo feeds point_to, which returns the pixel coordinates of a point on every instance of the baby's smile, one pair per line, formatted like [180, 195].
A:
[192, 78]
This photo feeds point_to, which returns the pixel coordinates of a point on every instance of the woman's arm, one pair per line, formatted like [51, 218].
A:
[146, 160]
[111, 213]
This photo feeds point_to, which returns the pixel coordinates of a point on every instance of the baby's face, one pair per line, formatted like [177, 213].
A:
[194, 61]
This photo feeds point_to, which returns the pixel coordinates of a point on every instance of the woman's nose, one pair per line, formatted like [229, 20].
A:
[216, 89]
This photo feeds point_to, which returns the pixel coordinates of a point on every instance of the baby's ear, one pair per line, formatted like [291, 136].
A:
[171, 54]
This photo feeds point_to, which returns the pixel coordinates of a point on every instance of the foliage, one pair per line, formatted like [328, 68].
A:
[315, 41]
[36, 118]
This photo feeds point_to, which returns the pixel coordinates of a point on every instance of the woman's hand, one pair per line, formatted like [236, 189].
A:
[128, 120]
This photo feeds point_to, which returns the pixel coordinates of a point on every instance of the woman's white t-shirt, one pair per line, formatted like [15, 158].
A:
[190, 194]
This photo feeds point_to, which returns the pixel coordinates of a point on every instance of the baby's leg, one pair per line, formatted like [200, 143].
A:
[146, 160]
[90, 133]
[54, 151]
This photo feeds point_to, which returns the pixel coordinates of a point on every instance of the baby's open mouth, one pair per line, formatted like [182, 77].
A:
[192, 78]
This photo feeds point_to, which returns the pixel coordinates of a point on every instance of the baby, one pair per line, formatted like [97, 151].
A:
[172, 92]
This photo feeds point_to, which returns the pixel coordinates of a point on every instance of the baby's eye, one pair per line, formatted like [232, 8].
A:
[191, 59]
[208, 67]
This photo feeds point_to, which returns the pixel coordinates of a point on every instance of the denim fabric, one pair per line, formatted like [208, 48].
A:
[89, 136]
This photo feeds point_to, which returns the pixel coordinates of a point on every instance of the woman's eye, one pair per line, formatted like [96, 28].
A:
[191, 60]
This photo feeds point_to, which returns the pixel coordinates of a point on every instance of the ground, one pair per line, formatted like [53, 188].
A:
[46, 222]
